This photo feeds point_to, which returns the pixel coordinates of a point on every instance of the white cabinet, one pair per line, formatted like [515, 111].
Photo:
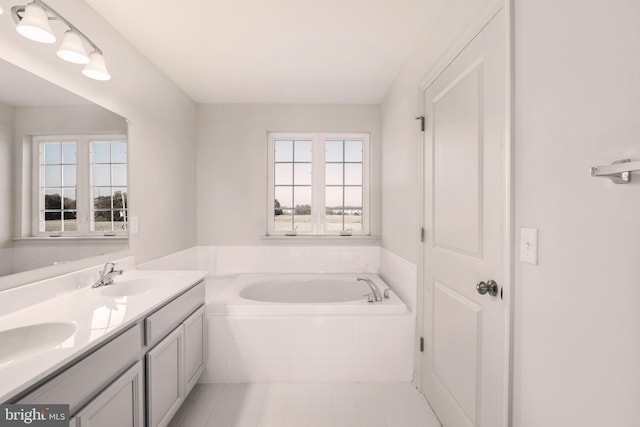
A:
[165, 378]
[120, 404]
[194, 348]
[173, 368]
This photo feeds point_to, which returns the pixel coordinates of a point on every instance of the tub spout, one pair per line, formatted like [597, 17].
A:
[374, 288]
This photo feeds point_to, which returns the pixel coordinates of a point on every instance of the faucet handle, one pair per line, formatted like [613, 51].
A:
[386, 293]
[369, 296]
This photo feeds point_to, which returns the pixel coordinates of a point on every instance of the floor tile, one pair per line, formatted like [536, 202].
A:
[305, 405]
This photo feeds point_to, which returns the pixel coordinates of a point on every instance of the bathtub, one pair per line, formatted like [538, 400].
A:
[306, 328]
[303, 294]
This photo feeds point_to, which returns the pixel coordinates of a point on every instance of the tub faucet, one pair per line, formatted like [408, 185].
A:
[374, 288]
[106, 276]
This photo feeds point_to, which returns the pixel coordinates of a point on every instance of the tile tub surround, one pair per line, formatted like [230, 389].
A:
[97, 317]
[310, 348]
[398, 273]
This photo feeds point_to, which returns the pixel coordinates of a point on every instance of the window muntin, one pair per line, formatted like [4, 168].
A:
[109, 186]
[81, 185]
[343, 185]
[292, 185]
[57, 189]
[318, 184]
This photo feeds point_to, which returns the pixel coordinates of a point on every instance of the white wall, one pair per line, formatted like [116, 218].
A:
[232, 162]
[6, 187]
[577, 324]
[161, 131]
[7, 114]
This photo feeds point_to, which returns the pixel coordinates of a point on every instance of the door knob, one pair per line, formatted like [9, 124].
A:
[491, 288]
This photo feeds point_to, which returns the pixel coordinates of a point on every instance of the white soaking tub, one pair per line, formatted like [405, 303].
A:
[300, 294]
[306, 328]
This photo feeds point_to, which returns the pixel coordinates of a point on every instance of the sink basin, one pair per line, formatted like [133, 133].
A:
[26, 341]
[128, 288]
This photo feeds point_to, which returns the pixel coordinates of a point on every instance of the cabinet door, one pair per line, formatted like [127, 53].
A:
[165, 378]
[194, 347]
[120, 404]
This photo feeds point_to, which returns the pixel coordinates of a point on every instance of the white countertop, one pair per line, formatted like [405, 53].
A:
[97, 318]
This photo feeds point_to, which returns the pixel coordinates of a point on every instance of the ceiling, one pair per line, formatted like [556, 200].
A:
[274, 51]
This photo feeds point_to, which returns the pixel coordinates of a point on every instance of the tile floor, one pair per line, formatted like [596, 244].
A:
[305, 405]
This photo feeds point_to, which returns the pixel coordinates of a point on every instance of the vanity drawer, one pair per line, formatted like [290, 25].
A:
[163, 321]
[79, 383]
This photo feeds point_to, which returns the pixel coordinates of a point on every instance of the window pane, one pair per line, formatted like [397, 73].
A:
[119, 152]
[69, 153]
[100, 151]
[353, 151]
[353, 174]
[302, 200]
[69, 175]
[101, 175]
[303, 151]
[102, 198]
[333, 151]
[52, 176]
[52, 198]
[302, 211]
[102, 221]
[69, 198]
[120, 198]
[283, 151]
[353, 197]
[302, 173]
[283, 222]
[70, 221]
[353, 220]
[52, 221]
[333, 174]
[333, 219]
[302, 223]
[119, 176]
[333, 197]
[52, 153]
[284, 173]
[284, 196]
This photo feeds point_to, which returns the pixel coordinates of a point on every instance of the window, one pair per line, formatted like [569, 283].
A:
[318, 184]
[81, 185]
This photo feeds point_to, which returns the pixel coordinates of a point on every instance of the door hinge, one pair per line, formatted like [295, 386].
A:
[421, 344]
[421, 118]
[422, 234]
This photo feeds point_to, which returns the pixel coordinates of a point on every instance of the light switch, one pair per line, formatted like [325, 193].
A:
[133, 225]
[529, 245]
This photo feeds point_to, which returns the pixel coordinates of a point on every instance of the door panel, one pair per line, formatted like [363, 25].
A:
[456, 346]
[465, 363]
[457, 208]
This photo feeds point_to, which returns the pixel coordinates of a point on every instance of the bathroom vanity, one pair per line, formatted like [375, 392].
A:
[137, 350]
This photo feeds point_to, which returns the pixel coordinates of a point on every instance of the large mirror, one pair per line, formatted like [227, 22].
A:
[63, 175]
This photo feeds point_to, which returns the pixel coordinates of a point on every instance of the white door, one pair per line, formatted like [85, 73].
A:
[465, 359]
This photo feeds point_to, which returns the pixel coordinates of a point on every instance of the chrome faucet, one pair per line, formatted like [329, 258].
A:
[106, 276]
[374, 288]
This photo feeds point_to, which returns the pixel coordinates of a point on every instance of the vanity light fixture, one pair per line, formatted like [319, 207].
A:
[1, 10]
[32, 21]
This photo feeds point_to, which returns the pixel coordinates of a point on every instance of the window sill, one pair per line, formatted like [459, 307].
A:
[70, 240]
[370, 240]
